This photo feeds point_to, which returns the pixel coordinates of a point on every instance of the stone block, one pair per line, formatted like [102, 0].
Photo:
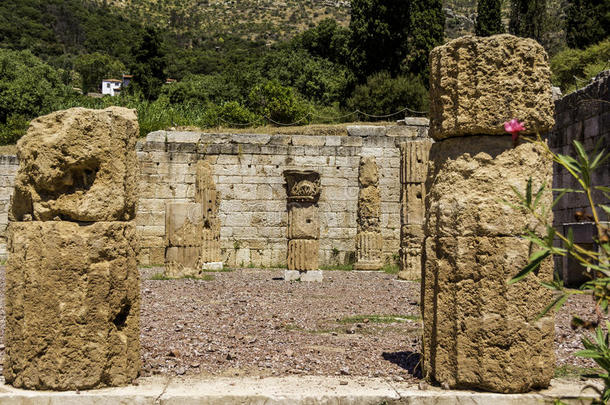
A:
[479, 331]
[183, 224]
[469, 177]
[210, 246]
[365, 130]
[412, 203]
[303, 254]
[72, 305]
[369, 248]
[292, 275]
[212, 266]
[78, 165]
[312, 275]
[478, 83]
[182, 261]
[303, 221]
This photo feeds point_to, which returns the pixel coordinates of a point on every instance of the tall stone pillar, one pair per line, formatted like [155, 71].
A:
[413, 170]
[369, 243]
[303, 193]
[209, 198]
[72, 282]
[479, 331]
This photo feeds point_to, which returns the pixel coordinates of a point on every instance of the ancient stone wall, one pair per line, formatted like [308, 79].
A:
[248, 173]
[8, 169]
[583, 116]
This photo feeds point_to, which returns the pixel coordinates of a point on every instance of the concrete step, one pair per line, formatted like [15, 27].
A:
[308, 390]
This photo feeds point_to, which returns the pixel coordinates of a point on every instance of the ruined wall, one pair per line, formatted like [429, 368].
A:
[583, 116]
[8, 169]
[248, 173]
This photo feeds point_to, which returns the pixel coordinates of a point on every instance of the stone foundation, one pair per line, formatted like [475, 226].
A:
[72, 305]
[303, 254]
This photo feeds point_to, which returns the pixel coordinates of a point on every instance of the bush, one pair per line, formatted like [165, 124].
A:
[384, 95]
[15, 128]
[573, 68]
[278, 103]
[28, 86]
[234, 114]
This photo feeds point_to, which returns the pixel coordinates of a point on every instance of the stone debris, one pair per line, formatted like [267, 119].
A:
[479, 331]
[478, 83]
[72, 282]
[369, 242]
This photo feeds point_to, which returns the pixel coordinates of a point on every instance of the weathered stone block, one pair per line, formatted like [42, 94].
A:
[412, 204]
[369, 208]
[303, 221]
[210, 247]
[72, 305]
[182, 261]
[478, 83]
[369, 251]
[368, 173]
[78, 165]
[468, 179]
[479, 331]
[303, 254]
[183, 224]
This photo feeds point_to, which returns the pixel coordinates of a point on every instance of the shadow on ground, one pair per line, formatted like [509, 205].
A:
[409, 361]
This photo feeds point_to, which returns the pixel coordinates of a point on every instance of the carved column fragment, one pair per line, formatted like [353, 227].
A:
[303, 193]
[413, 170]
[479, 331]
[369, 243]
[72, 281]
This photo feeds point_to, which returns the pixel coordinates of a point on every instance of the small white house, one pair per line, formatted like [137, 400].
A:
[111, 87]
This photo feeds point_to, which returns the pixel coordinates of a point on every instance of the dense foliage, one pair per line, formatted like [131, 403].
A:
[587, 22]
[528, 18]
[489, 18]
[231, 71]
[572, 68]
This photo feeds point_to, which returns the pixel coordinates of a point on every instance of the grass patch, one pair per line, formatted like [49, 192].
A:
[338, 267]
[378, 319]
[570, 371]
[224, 270]
[391, 268]
[162, 276]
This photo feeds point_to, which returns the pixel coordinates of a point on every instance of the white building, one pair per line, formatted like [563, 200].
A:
[111, 87]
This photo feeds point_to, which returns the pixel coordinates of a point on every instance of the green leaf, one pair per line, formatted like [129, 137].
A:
[539, 195]
[534, 262]
[599, 159]
[590, 354]
[554, 305]
[568, 190]
[528, 192]
[580, 150]
[605, 208]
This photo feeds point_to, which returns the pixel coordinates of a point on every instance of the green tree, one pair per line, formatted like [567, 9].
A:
[149, 67]
[528, 18]
[278, 103]
[489, 18]
[587, 22]
[382, 94]
[379, 31]
[28, 86]
[95, 67]
[426, 31]
[327, 40]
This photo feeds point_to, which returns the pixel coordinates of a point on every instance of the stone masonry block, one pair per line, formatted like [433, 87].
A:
[72, 305]
[478, 83]
[182, 261]
[303, 221]
[470, 176]
[78, 165]
[369, 247]
[479, 331]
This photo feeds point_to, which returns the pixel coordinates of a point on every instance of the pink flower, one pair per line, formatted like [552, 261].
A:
[514, 127]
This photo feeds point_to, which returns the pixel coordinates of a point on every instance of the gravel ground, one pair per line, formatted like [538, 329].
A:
[250, 322]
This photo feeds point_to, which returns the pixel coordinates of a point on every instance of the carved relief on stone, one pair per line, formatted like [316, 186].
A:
[302, 186]
[303, 221]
